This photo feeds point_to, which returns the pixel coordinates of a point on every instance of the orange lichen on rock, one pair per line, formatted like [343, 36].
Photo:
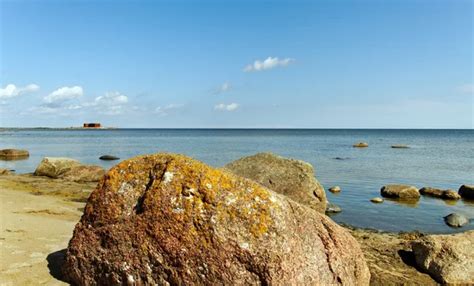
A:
[167, 218]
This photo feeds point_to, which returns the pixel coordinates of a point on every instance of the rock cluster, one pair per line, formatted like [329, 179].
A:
[68, 169]
[168, 219]
[400, 192]
[442, 194]
[13, 154]
[292, 178]
[449, 259]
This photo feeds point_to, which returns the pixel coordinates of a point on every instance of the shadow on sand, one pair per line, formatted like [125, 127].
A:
[55, 263]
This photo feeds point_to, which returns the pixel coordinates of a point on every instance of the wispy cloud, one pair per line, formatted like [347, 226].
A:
[12, 90]
[64, 94]
[226, 86]
[226, 107]
[165, 110]
[466, 88]
[112, 103]
[268, 63]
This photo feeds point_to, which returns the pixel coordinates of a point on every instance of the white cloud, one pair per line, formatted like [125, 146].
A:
[268, 63]
[223, 88]
[111, 103]
[466, 88]
[11, 90]
[165, 110]
[63, 94]
[226, 107]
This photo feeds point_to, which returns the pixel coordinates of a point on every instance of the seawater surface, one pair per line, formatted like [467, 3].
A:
[436, 158]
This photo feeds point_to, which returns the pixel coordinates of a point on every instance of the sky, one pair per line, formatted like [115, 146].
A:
[237, 64]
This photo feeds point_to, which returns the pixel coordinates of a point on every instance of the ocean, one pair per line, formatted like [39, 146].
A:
[436, 158]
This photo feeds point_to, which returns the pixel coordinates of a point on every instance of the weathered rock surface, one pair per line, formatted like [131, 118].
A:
[449, 259]
[335, 189]
[292, 178]
[400, 192]
[108, 157]
[456, 220]
[13, 154]
[167, 219]
[84, 173]
[467, 192]
[442, 194]
[361, 145]
[54, 167]
[68, 169]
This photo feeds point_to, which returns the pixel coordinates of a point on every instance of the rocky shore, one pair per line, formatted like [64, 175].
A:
[39, 214]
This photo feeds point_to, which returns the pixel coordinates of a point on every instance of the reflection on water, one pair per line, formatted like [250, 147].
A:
[442, 159]
[406, 203]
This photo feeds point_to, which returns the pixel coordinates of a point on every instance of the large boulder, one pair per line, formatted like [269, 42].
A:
[442, 194]
[292, 178]
[54, 167]
[400, 192]
[167, 219]
[467, 192]
[13, 154]
[449, 259]
[68, 169]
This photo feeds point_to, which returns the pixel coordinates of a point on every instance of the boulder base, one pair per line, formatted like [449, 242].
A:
[170, 220]
[400, 192]
[292, 178]
[449, 259]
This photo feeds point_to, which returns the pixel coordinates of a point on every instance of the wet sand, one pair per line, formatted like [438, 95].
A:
[38, 216]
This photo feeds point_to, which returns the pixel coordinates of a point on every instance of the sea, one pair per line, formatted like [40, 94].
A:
[436, 158]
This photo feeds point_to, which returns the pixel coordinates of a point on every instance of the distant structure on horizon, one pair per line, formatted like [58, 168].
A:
[92, 125]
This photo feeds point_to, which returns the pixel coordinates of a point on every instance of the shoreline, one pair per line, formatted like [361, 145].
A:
[40, 213]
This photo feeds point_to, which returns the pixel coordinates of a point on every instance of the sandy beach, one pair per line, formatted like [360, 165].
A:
[37, 220]
[38, 216]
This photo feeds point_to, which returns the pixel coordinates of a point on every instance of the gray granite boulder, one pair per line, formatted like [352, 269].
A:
[456, 220]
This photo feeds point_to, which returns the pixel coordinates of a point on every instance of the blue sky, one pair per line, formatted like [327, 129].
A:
[311, 64]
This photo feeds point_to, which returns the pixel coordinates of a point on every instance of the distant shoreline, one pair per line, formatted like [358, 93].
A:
[220, 128]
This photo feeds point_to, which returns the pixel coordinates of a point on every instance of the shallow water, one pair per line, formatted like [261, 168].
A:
[437, 158]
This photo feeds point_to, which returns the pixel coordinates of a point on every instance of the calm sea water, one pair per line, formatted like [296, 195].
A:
[437, 158]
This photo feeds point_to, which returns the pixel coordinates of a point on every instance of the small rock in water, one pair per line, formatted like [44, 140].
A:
[341, 158]
[400, 192]
[108, 157]
[467, 192]
[13, 154]
[376, 200]
[400, 147]
[456, 220]
[335, 189]
[442, 194]
[361, 145]
[332, 208]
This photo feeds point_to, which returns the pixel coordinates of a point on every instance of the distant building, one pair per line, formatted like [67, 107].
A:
[91, 125]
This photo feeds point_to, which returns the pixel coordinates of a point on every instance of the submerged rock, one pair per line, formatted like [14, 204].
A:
[292, 178]
[456, 220]
[68, 169]
[335, 189]
[361, 145]
[13, 154]
[400, 192]
[467, 192]
[442, 194]
[170, 220]
[449, 259]
[332, 208]
[400, 147]
[376, 200]
[108, 158]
